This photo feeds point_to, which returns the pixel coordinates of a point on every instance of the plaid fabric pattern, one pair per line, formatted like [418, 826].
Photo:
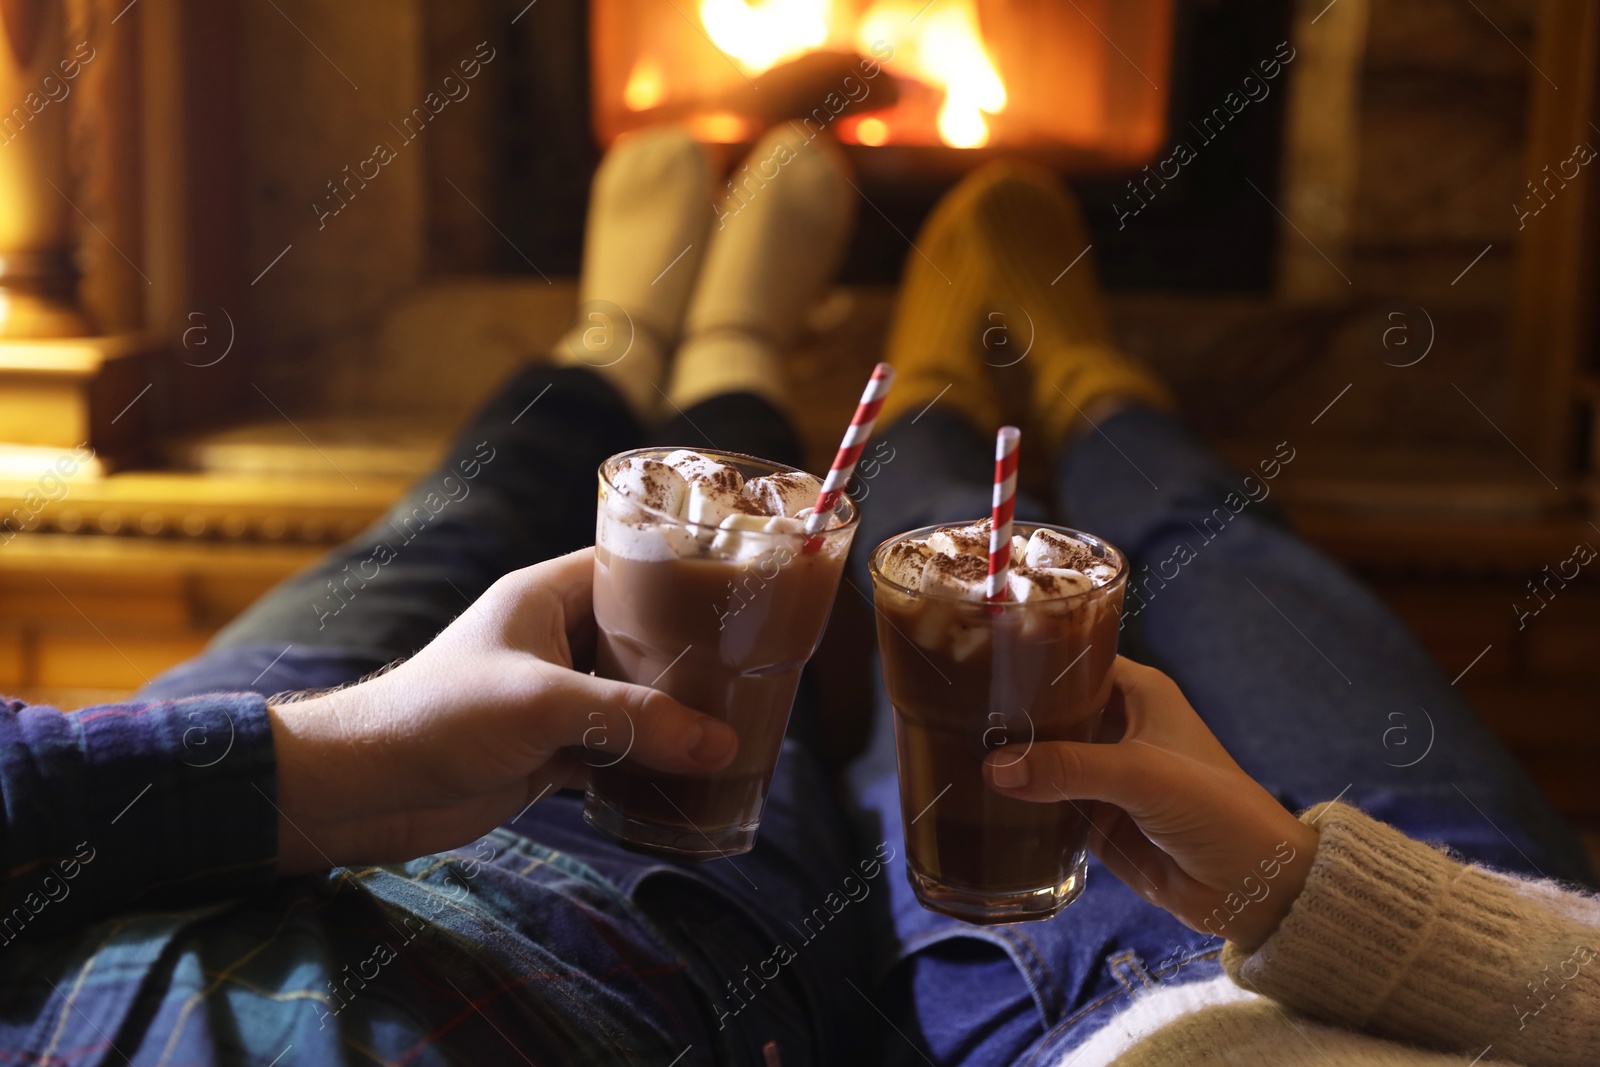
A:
[167, 940]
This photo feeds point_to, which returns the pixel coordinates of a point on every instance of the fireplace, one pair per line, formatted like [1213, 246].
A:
[1078, 86]
[576, 74]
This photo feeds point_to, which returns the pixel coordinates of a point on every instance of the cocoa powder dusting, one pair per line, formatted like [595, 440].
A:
[1049, 584]
[1078, 556]
[655, 496]
[902, 555]
[965, 568]
[972, 539]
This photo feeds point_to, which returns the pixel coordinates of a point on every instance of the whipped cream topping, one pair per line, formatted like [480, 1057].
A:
[699, 505]
[954, 562]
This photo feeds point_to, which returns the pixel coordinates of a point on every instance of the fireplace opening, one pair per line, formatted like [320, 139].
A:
[568, 64]
[1077, 86]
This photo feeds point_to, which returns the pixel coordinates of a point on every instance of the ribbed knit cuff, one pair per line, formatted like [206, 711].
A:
[1392, 935]
[1368, 909]
[157, 803]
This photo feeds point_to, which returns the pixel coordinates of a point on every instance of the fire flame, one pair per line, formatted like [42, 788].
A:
[872, 131]
[646, 87]
[940, 45]
[944, 47]
[760, 34]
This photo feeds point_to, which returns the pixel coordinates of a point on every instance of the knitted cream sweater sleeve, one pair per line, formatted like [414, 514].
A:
[1397, 938]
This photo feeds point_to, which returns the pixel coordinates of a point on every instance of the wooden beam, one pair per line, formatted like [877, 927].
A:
[1318, 188]
[1552, 333]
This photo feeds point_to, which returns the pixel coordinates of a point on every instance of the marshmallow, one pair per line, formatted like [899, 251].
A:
[695, 467]
[954, 562]
[834, 518]
[709, 496]
[966, 641]
[783, 494]
[959, 576]
[1029, 584]
[730, 542]
[961, 540]
[646, 481]
[743, 535]
[714, 490]
[931, 624]
[1046, 548]
[646, 543]
[904, 563]
[709, 505]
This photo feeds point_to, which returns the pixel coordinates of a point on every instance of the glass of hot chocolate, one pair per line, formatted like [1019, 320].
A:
[707, 587]
[968, 677]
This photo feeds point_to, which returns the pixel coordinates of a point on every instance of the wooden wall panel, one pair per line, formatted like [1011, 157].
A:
[105, 159]
[1321, 151]
[1553, 327]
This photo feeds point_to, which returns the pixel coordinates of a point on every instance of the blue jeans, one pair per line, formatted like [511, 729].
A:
[1301, 673]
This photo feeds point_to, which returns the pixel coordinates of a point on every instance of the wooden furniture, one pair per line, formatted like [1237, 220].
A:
[133, 572]
[151, 197]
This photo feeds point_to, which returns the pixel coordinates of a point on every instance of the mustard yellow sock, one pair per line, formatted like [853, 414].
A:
[936, 337]
[1036, 240]
[1008, 315]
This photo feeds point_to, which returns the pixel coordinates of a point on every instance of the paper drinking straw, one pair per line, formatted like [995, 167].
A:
[844, 462]
[1005, 505]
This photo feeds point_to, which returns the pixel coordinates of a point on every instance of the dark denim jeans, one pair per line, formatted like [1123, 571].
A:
[1311, 684]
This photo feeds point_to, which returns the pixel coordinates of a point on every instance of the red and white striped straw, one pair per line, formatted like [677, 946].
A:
[844, 462]
[1005, 506]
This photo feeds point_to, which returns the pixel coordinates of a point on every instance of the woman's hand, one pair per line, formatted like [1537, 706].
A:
[1178, 821]
[486, 719]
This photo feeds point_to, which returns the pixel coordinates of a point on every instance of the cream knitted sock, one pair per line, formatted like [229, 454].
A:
[781, 230]
[646, 231]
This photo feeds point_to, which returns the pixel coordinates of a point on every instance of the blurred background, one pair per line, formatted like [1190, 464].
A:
[259, 257]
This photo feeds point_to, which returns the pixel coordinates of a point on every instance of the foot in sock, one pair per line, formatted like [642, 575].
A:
[781, 231]
[649, 213]
[1000, 317]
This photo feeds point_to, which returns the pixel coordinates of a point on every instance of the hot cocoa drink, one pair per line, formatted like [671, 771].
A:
[967, 678]
[707, 588]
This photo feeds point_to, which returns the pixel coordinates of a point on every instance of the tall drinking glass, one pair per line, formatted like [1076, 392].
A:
[722, 624]
[967, 678]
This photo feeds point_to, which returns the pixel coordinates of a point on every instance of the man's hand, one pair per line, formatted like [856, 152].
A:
[1178, 821]
[489, 717]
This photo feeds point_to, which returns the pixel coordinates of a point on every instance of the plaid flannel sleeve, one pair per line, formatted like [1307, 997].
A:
[133, 806]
